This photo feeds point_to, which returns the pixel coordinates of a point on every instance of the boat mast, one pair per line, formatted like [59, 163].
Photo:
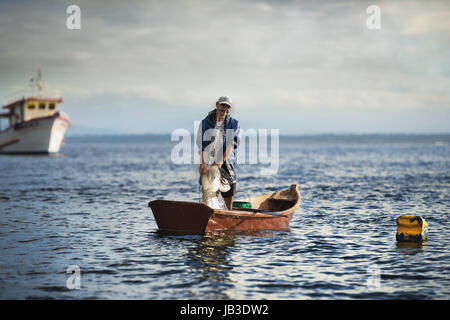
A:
[39, 84]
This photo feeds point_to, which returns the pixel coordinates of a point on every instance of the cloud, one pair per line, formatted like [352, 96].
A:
[296, 57]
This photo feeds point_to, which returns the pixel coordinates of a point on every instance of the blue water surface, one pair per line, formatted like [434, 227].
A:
[88, 207]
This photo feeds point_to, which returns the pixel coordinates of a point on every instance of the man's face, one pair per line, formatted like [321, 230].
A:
[222, 111]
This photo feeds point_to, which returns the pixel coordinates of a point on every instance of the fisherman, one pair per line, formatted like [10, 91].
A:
[218, 139]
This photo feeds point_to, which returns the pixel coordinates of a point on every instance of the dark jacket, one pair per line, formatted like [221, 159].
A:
[231, 131]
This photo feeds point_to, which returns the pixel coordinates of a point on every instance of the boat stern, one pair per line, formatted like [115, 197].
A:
[178, 217]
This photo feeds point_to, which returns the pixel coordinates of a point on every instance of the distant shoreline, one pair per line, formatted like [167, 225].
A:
[443, 138]
[283, 135]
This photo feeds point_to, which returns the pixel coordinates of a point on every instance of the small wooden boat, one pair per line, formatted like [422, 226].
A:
[271, 211]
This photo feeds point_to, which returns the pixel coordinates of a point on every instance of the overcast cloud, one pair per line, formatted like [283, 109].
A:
[300, 66]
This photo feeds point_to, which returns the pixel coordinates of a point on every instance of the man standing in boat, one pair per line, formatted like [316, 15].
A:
[219, 140]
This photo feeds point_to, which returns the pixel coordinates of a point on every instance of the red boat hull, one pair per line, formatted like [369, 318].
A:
[182, 217]
[219, 222]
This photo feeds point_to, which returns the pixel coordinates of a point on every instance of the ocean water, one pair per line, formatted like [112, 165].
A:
[88, 208]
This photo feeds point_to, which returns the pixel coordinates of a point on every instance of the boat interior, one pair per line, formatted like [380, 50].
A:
[277, 201]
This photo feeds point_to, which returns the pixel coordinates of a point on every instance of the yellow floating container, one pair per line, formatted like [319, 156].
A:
[411, 229]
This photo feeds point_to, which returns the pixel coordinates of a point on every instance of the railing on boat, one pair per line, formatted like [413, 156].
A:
[26, 94]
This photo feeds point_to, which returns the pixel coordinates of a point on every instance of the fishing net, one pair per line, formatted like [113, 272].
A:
[214, 181]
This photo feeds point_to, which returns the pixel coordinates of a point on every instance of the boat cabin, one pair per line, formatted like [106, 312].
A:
[35, 103]
[30, 108]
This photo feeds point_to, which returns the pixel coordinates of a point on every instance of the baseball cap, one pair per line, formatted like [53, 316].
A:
[225, 100]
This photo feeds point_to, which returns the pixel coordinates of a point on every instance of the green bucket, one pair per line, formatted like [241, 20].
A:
[242, 204]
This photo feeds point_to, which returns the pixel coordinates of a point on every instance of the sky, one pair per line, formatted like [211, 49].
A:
[303, 67]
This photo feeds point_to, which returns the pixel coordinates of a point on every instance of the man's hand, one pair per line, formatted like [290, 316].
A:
[202, 168]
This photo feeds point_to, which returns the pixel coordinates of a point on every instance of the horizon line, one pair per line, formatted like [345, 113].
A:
[281, 135]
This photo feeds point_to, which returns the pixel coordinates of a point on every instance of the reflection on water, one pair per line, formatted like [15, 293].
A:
[210, 259]
[411, 247]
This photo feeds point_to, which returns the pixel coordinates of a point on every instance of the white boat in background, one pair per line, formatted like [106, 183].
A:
[36, 125]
